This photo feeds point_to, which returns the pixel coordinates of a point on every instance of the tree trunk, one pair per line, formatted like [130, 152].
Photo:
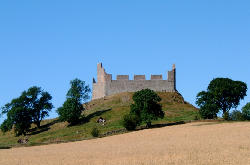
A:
[224, 111]
[38, 124]
[225, 114]
[148, 125]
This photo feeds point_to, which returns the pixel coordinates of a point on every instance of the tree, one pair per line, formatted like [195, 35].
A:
[70, 111]
[146, 106]
[18, 115]
[6, 125]
[39, 104]
[246, 111]
[31, 107]
[72, 107]
[208, 110]
[222, 93]
[78, 90]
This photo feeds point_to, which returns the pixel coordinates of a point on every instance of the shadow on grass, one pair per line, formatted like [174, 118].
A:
[86, 119]
[4, 147]
[43, 128]
[161, 125]
[210, 123]
[113, 132]
[167, 124]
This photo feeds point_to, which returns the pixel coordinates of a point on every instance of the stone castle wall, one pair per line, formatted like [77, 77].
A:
[105, 86]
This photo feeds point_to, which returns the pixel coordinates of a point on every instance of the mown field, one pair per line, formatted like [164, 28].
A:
[111, 108]
[196, 143]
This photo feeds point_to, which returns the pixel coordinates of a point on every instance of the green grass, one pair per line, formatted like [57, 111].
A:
[112, 108]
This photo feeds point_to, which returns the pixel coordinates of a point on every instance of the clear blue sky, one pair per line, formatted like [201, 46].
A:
[47, 43]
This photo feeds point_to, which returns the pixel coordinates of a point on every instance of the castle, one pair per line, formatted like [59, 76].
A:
[105, 86]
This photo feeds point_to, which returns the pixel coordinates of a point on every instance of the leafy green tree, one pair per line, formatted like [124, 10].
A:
[227, 93]
[146, 106]
[39, 104]
[222, 93]
[31, 107]
[22, 120]
[6, 125]
[72, 107]
[246, 111]
[70, 111]
[18, 115]
[208, 110]
[79, 90]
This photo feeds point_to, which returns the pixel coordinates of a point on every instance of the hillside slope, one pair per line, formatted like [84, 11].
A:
[111, 108]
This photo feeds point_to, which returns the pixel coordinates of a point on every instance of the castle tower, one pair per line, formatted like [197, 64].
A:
[100, 73]
[172, 76]
[99, 87]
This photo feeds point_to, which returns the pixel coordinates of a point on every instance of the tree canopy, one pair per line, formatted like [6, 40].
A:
[78, 90]
[31, 107]
[39, 104]
[222, 94]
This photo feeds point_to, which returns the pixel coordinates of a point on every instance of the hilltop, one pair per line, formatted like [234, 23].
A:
[111, 108]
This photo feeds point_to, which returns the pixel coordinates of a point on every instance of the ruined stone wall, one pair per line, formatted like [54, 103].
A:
[105, 86]
[132, 86]
[98, 90]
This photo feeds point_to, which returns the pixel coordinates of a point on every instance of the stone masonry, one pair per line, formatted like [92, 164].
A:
[106, 86]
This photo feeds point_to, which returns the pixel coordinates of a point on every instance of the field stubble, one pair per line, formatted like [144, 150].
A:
[193, 143]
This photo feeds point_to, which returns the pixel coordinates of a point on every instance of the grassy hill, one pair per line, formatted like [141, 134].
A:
[111, 108]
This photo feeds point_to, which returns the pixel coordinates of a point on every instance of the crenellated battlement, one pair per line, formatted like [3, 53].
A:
[139, 77]
[105, 85]
[156, 77]
[122, 77]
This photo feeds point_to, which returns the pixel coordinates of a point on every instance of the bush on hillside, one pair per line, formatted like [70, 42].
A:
[226, 116]
[95, 132]
[130, 122]
[246, 111]
[236, 115]
[197, 116]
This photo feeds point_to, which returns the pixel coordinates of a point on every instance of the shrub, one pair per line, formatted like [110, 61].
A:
[246, 111]
[236, 116]
[226, 115]
[130, 122]
[95, 132]
[197, 116]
